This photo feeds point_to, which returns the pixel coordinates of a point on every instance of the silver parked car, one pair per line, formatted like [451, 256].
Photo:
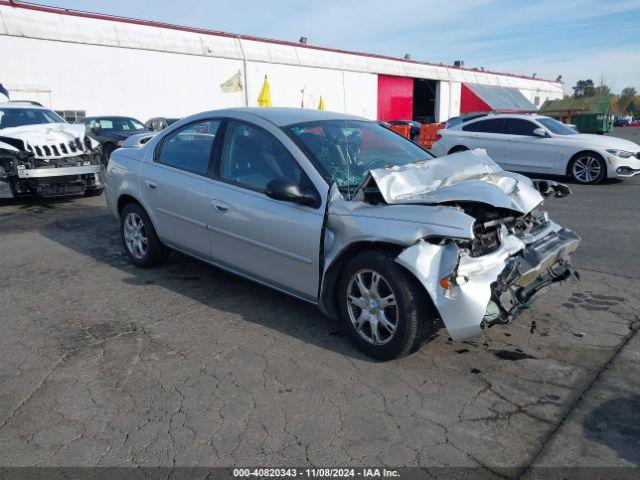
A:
[343, 213]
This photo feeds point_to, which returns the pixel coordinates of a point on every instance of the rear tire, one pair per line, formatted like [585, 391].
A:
[588, 168]
[139, 239]
[392, 317]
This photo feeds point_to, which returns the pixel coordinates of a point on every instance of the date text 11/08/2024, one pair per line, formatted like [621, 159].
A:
[315, 472]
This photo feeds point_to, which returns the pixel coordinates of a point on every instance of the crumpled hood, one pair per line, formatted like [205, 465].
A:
[469, 176]
[45, 132]
[42, 138]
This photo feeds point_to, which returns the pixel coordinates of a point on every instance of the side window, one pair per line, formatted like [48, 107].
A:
[492, 125]
[518, 126]
[253, 157]
[189, 148]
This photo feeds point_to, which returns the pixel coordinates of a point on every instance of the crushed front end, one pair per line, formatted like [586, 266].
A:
[63, 163]
[488, 274]
[490, 279]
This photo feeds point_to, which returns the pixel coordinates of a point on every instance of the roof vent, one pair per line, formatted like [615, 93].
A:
[458, 63]
[303, 40]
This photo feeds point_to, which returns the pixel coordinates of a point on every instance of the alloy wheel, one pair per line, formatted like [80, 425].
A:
[372, 307]
[135, 235]
[587, 169]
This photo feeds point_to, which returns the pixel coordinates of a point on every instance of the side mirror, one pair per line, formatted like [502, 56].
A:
[288, 191]
[540, 132]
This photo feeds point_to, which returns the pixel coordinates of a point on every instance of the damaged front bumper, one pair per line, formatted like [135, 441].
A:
[58, 172]
[52, 181]
[492, 288]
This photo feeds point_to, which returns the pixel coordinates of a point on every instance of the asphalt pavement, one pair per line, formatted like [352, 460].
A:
[185, 365]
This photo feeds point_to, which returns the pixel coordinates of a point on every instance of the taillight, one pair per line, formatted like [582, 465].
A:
[438, 136]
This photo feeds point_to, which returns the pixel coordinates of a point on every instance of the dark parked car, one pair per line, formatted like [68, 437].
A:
[159, 123]
[414, 131]
[621, 122]
[110, 132]
[453, 121]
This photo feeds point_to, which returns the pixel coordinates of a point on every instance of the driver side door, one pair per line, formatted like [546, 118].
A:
[528, 152]
[272, 241]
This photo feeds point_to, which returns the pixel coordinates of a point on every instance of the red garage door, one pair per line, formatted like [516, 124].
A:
[395, 98]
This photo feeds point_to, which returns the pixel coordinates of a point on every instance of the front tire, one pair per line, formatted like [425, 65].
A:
[384, 308]
[141, 244]
[588, 168]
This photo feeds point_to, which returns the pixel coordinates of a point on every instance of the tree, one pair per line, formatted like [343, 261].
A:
[628, 92]
[631, 108]
[602, 90]
[584, 88]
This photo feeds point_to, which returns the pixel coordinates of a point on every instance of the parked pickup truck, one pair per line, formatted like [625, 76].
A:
[41, 154]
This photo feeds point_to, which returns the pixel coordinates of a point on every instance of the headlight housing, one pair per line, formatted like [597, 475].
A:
[621, 153]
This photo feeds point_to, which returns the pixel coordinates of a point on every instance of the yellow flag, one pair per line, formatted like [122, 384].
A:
[264, 99]
[321, 104]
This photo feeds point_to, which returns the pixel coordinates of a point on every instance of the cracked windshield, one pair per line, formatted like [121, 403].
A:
[346, 150]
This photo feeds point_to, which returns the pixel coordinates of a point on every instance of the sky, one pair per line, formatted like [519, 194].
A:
[577, 39]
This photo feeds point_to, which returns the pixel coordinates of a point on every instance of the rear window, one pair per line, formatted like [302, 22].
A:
[493, 125]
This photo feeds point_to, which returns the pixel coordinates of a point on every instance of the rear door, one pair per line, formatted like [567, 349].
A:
[487, 134]
[176, 187]
[274, 241]
[528, 152]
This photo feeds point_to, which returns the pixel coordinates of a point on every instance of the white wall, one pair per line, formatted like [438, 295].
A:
[113, 67]
[542, 95]
[348, 92]
[116, 81]
[447, 100]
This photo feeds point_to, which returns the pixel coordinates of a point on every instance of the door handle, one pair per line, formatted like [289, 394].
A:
[151, 185]
[219, 206]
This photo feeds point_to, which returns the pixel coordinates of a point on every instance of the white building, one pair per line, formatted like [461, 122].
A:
[90, 64]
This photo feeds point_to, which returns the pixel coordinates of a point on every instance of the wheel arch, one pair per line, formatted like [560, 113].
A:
[328, 298]
[457, 148]
[125, 199]
[567, 167]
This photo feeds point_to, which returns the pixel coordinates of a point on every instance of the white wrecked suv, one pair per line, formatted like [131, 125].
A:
[41, 154]
[345, 214]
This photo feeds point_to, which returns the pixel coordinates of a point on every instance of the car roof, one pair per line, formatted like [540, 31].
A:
[286, 116]
[92, 117]
[14, 104]
[490, 115]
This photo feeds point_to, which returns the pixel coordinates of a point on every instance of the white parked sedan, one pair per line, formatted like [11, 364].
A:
[538, 144]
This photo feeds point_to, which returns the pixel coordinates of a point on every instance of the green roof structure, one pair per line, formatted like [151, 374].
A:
[583, 105]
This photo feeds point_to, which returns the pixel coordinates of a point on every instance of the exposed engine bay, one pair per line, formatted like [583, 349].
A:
[49, 159]
[474, 235]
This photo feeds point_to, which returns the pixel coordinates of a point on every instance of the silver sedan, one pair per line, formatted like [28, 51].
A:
[341, 212]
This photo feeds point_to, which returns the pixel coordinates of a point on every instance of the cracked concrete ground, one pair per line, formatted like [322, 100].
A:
[106, 364]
